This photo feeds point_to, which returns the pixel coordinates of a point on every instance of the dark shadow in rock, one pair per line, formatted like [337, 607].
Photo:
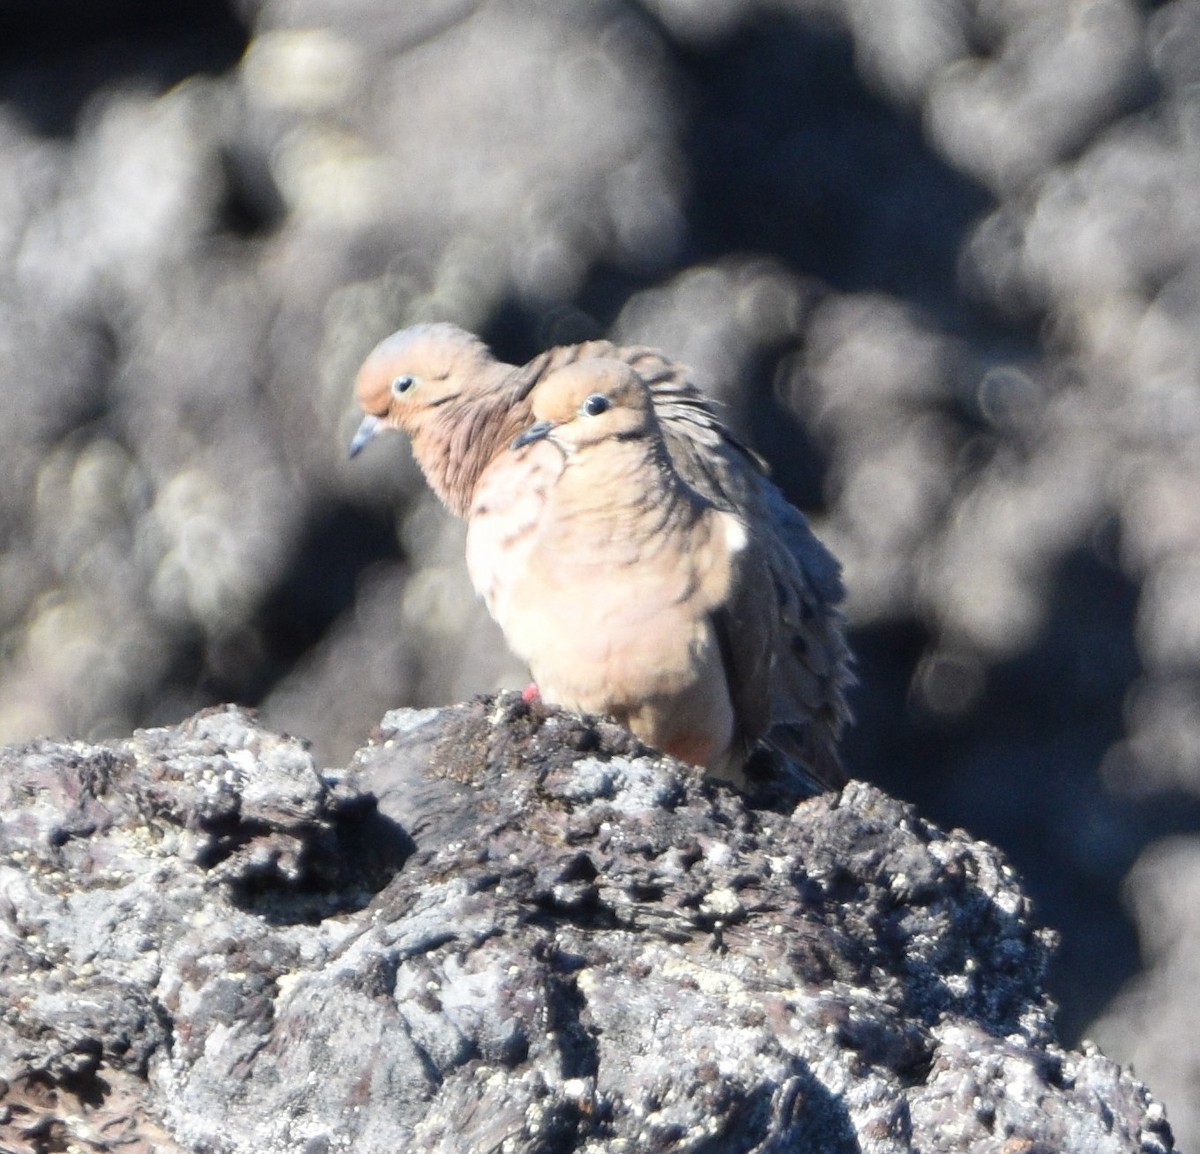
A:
[580, 1053]
[338, 870]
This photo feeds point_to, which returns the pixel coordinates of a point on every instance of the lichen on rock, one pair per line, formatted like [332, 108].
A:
[503, 927]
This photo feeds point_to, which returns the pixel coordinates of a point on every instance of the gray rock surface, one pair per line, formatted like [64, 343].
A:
[503, 929]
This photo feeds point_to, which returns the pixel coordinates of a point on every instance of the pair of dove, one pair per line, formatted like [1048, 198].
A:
[635, 554]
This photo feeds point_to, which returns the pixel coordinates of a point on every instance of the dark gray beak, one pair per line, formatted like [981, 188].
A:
[366, 432]
[538, 432]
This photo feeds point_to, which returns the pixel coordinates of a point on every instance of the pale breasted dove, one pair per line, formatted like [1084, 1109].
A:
[462, 409]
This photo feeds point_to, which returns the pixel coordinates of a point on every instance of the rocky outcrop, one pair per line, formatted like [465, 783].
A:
[507, 929]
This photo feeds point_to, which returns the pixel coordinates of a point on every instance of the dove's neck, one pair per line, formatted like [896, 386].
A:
[627, 481]
[461, 438]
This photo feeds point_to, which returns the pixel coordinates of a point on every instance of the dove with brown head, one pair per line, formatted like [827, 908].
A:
[442, 387]
[463, 408]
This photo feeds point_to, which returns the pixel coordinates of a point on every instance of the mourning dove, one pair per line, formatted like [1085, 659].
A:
[463, 409]
[625, 591]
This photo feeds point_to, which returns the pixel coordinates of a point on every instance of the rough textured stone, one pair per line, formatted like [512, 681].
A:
[503, 928]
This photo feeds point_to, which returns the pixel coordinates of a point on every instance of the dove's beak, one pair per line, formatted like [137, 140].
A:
[366, 432]
[538, 432]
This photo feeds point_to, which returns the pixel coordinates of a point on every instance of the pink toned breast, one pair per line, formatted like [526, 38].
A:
[505, 511]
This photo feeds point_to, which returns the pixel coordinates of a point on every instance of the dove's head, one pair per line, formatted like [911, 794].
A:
[588, 402]
[408, 376]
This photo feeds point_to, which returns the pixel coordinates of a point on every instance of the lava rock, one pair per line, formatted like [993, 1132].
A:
[506, 927]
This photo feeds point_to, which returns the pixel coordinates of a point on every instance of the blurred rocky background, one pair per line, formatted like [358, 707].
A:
[941, 259]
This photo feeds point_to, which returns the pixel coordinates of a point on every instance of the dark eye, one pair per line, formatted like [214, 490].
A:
[403, 384]
[596, 404]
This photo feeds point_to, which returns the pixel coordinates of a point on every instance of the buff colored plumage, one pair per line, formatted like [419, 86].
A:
[463, 409]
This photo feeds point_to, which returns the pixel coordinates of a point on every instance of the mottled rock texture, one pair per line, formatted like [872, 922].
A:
[502, 929]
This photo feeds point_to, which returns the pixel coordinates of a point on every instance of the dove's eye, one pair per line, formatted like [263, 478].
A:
[596, 404]
[401, 385]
